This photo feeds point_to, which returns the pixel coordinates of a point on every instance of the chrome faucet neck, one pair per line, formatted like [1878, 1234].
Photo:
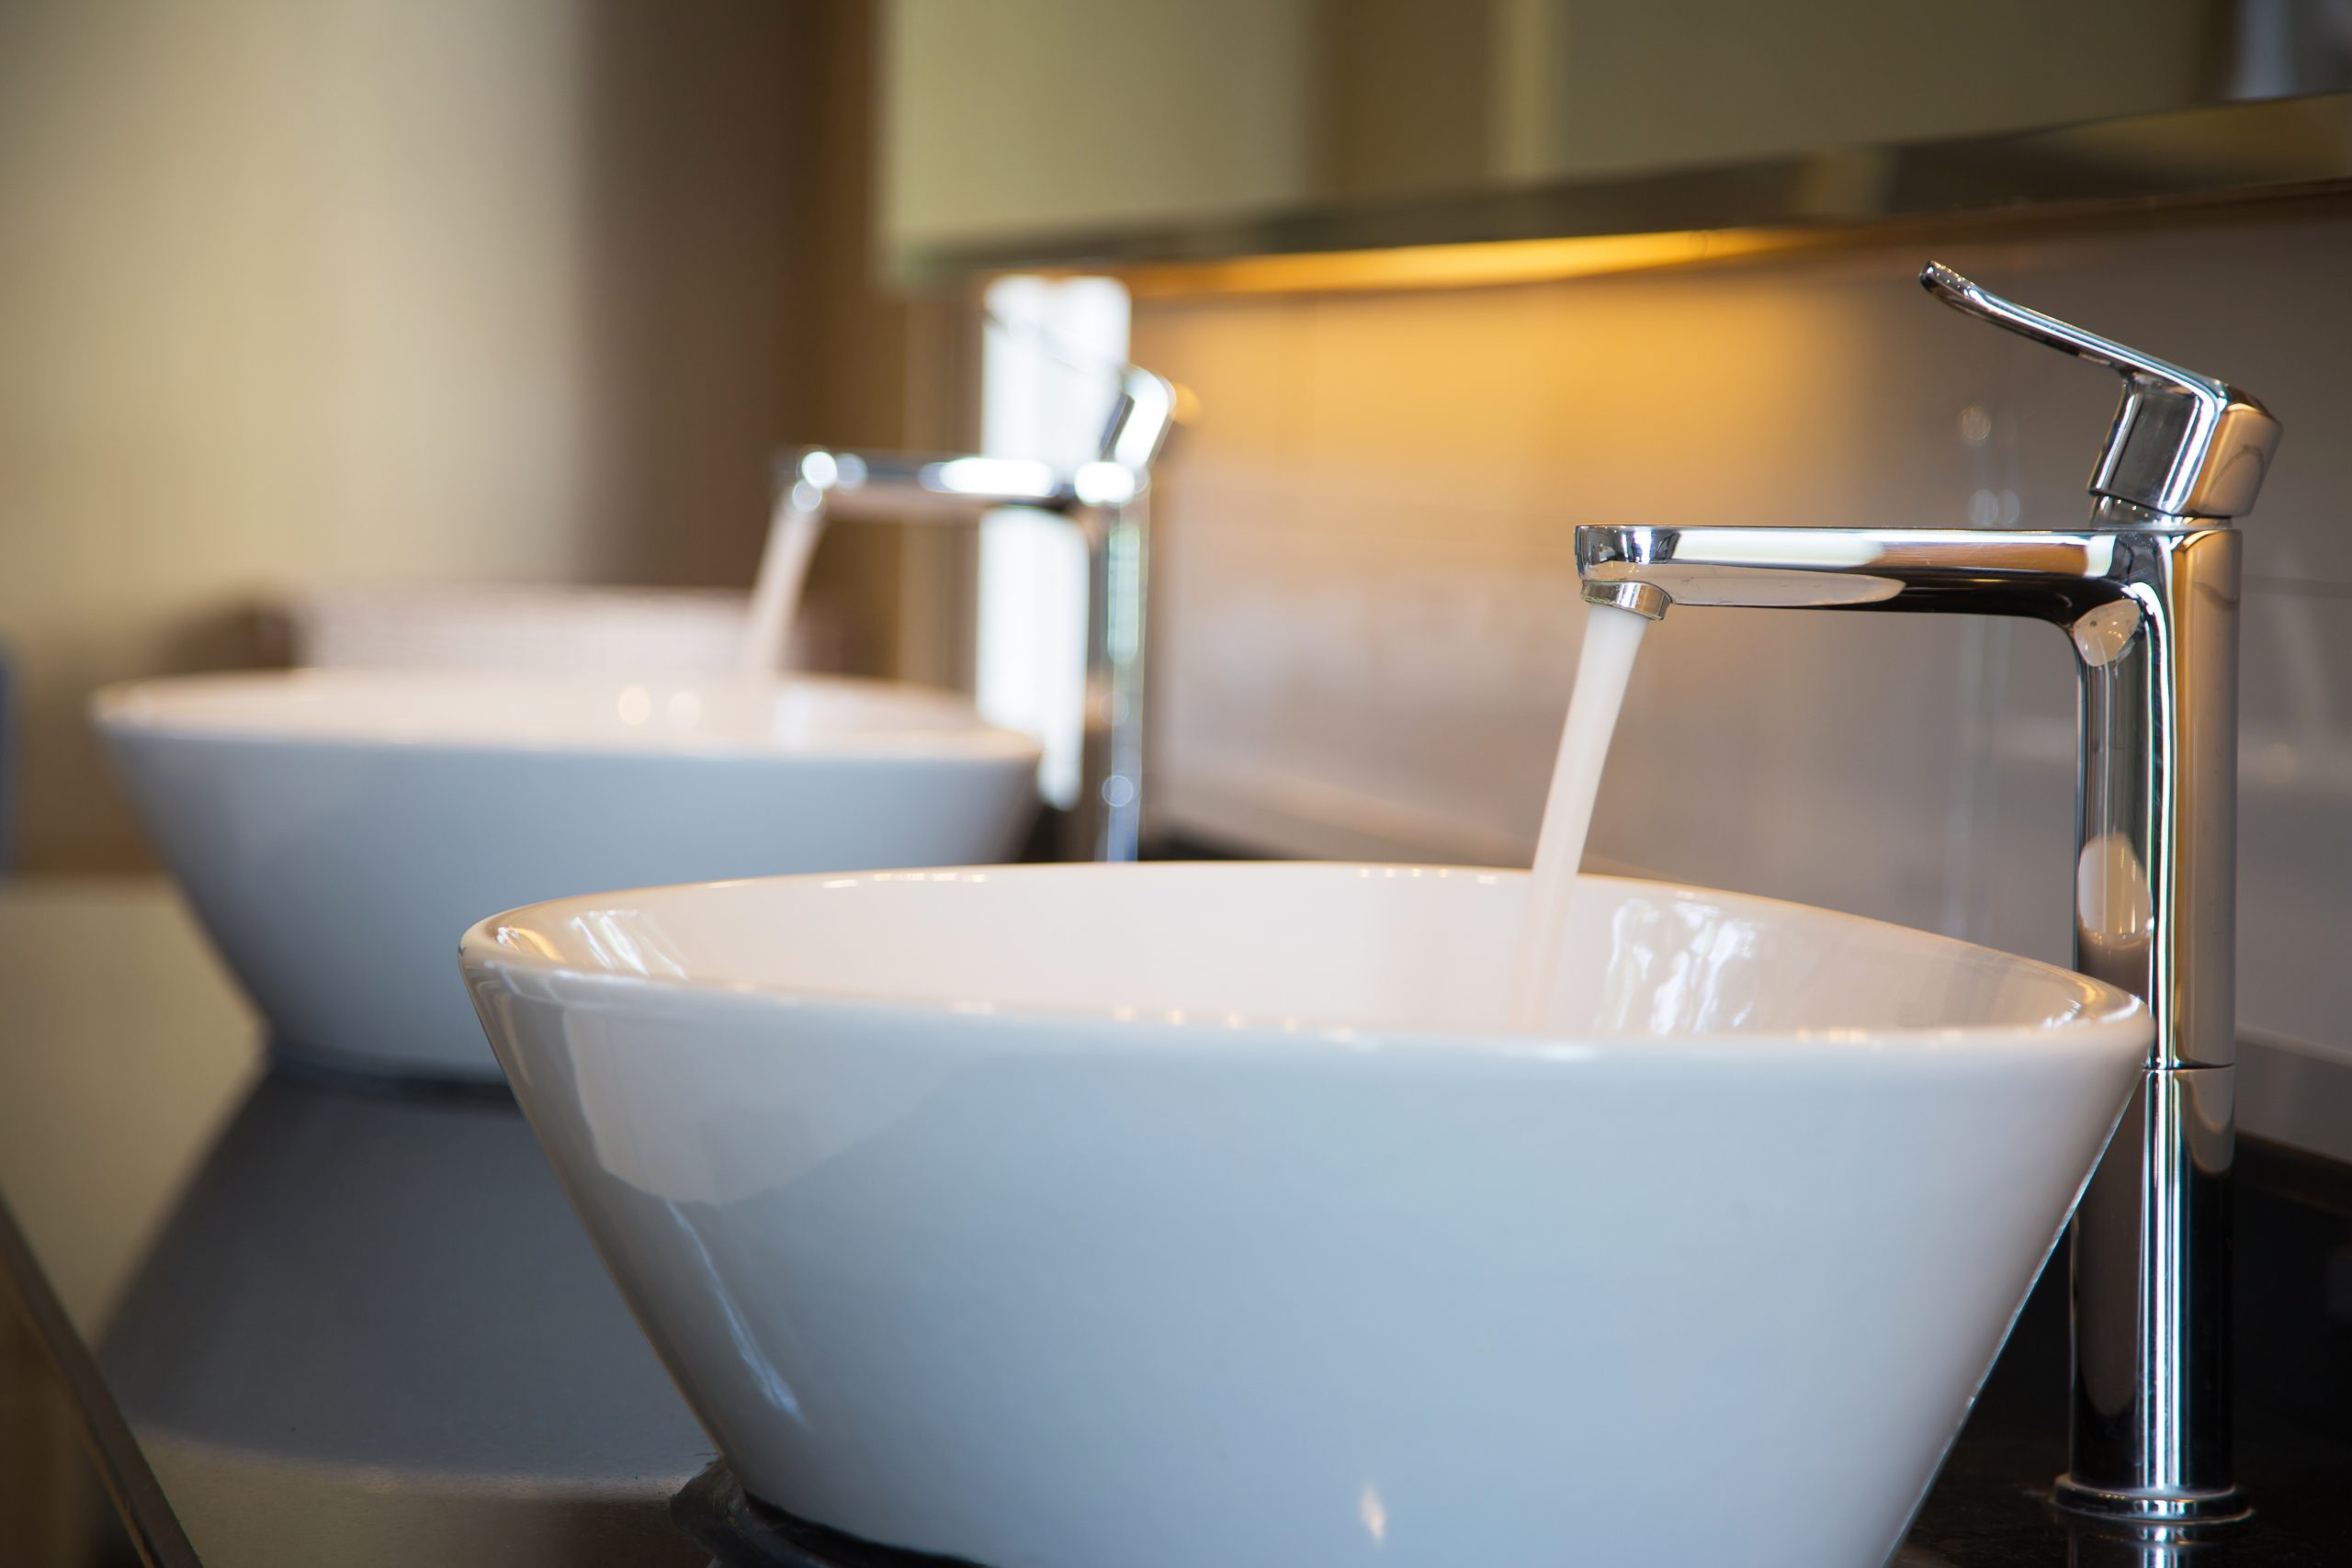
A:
[1108, 500]
[2147, 591]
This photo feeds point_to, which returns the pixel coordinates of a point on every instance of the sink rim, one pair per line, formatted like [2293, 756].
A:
[2107, 1015]
[265, 707]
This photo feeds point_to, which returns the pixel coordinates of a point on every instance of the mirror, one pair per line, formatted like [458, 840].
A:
[1037, 131]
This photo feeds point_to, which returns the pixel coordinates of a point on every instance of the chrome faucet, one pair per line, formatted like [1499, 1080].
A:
[1108, 499]
[2147, 591]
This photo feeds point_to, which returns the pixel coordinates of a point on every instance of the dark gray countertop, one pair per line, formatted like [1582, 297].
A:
[1989, 1507]
[333, 1323]
[365, 1328]
[372, 1332]
[373, 1315]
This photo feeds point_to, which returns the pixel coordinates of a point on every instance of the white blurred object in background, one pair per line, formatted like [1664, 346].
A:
[1048, 369]
[545, 628]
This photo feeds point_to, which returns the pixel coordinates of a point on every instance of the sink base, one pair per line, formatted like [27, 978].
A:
[741, 1531]
[2195, 1509]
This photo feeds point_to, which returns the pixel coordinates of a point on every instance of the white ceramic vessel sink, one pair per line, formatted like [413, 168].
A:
[1174, 1216]
[537, 629]
[337, 829]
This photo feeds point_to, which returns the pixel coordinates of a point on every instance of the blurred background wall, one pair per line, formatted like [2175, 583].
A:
[1367, 616]
[424, 288]
[337, 289]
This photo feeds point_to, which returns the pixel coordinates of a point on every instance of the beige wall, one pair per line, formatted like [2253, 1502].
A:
[1366, 621]
[342, 288]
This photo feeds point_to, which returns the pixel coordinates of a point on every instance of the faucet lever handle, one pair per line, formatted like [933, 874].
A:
[2182, 444]
[1141, 417]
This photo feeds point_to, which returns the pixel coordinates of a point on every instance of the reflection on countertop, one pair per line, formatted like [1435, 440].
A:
[344, 1323]
[373, 1330]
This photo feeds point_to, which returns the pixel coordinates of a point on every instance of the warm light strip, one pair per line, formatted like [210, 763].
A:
[1456, 266]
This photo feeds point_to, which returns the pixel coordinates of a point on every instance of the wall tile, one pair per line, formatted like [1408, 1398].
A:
[1368, 622]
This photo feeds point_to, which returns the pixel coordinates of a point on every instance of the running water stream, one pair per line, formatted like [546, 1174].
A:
[1612, 638]
[792, 534]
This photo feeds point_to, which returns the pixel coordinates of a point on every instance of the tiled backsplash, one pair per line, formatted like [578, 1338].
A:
[1367, 617]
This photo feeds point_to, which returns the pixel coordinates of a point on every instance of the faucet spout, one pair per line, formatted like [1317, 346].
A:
[1639, 598]
[2151, 615]
[2147, 592]
[1108, 500]
[2055, 575]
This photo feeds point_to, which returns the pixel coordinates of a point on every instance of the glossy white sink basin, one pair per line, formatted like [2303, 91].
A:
[337, 829]
[539, 628]
[1175, 1215]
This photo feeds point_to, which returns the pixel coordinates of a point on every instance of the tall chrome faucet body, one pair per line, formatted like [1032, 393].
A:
[2147, 592]
[1108, 500]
